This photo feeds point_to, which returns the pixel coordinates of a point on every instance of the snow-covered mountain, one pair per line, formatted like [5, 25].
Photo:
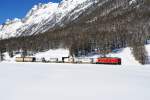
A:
[42, 17]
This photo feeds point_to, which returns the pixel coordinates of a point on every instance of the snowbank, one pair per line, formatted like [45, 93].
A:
[10, 59]
[126, 56]
[58, 53]
[40, 81]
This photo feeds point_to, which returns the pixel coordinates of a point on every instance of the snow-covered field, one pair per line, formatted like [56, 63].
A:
[37, 81]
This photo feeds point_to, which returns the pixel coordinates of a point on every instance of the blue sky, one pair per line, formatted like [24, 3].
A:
[10, 9]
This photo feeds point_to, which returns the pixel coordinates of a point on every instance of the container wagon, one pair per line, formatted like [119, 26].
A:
[19, 59]
[108, 60]
[84, 60]
[29, 59]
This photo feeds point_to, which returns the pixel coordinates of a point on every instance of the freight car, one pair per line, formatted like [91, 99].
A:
[25, 59]
[84, 60]
[67, 59]
[19, 59]
[53, 60]
[108, 60]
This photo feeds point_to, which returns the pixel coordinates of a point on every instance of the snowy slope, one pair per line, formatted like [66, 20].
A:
[45, 16]
[35, 81]
[126, 56]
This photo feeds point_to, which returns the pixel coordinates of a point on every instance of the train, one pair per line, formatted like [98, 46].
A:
[100, 60]
[108, 60]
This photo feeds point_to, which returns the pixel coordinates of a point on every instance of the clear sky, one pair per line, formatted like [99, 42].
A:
[10, 9]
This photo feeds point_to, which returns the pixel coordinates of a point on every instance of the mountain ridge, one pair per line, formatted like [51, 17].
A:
[42, 17]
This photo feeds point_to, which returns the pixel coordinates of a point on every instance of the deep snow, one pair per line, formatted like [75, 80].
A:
[37, 81]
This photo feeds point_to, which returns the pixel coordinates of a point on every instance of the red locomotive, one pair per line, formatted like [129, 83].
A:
[108, 60]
